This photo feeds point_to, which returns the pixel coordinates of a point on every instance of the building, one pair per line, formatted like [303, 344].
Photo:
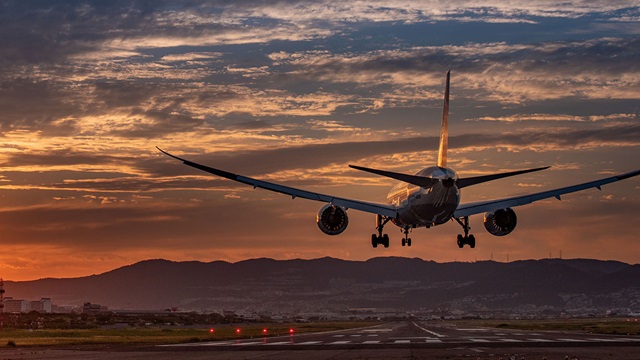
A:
[89, 308]
[12, 305]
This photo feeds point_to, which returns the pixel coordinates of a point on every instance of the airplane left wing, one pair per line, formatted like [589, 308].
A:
[382, 209]
[492, 205]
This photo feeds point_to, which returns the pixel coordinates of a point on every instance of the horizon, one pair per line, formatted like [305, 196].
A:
[293, 92]
[319, 258]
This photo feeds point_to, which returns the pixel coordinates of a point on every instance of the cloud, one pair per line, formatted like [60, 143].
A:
[599, 68]
[556, 117]
[292, 92]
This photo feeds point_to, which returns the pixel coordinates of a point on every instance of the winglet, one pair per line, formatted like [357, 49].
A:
[444, 131]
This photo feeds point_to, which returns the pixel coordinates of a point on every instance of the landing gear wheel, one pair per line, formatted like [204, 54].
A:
[466, 239]
[382, 239]
[406, 240]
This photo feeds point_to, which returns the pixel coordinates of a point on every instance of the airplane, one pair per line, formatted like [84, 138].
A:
[428, 198]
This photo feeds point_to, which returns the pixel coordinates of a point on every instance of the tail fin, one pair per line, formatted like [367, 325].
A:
[444, 131]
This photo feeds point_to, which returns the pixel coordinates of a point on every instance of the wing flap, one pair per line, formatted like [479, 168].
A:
[492, 205]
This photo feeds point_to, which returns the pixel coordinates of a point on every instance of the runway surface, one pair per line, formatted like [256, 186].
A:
[417, 334]
[400, 340]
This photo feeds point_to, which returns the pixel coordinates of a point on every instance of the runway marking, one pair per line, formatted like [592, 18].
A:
[479, 340]
[429, 331]
[308, 343]
[372, 342]
[607, 340]
[356, 335]
[377, 330]
[212, 343]
[339, 342]
[338, 335]
[473, 329]
[540, 340]
[372, 335]
[433, 340]
[573, 340]
[248, 343]
[279, 343]
[629, 339]
[402, 342]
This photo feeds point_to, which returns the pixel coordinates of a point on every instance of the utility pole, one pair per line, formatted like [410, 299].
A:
[1, 304]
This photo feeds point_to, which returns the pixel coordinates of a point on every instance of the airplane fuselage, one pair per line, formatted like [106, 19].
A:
[426, 207]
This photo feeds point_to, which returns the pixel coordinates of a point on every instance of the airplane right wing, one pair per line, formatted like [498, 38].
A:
[382, 209]
[493, 205]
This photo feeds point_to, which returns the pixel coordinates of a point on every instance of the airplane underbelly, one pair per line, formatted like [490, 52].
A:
[429, 209]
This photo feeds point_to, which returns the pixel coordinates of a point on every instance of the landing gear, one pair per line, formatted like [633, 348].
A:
[406, 240]
[466, 239]
[379, 238]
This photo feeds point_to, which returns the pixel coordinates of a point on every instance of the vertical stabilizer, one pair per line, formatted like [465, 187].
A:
[444, 131]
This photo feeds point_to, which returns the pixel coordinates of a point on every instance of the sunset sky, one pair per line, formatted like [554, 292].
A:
[293, 92]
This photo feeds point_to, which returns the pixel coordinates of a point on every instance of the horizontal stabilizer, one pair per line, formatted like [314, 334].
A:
[484, 178]
[421, 181]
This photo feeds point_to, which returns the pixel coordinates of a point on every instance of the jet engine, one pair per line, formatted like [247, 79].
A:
[500, 222]
[332, 220]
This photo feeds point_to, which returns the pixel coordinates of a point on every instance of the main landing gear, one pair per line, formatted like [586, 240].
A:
[379, 238]
[466, 239]
[407, 240]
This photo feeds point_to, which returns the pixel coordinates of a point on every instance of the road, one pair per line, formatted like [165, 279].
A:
[399, 340]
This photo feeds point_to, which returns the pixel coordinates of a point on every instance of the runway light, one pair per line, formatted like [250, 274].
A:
[211, 330]
[264, 331]
[291, 331]
[237, 330]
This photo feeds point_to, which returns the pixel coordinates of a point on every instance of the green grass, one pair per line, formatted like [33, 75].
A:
[156, 336]
[592, 325]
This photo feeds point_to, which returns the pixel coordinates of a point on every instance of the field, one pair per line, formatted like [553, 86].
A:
[156, 335]
[590, 325]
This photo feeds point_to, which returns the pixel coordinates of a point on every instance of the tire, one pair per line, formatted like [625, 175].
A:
[409, 242]
[472, 241]
[460, 241]
[404, 242]
[374, 240]
[385, 240]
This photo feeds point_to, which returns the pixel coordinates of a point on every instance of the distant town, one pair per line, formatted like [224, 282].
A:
[266, 290]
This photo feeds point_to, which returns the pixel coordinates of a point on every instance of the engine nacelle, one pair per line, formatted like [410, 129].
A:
[332, 220]
[500, 222]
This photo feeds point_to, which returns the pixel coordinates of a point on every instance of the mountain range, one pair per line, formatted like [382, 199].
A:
[329, 284]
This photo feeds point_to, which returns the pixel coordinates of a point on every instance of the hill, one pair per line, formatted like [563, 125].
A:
[334, 285]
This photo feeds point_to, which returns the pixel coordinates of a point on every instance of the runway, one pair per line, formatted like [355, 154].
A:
[398, 340]
[419, 335]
